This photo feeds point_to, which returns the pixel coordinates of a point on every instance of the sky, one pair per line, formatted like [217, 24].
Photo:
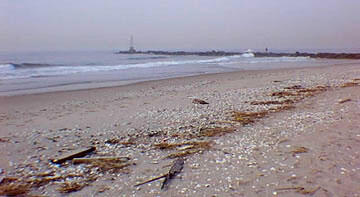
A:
[40, 25]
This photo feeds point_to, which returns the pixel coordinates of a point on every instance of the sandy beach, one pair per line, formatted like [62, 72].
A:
[283, 132]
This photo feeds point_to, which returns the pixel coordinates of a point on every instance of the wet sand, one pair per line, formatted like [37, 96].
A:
[309, 147]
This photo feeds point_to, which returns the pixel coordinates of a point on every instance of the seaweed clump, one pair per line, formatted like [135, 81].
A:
[217, 131]
[105, 163]
[69, 187]
[281, 108]
[13, 186]
[299, 92]
[349, 84]
[182, 145]
[14, 189]
[184, 148]
[286, 101]
[248, 117]
[281, 94]
[298, 150]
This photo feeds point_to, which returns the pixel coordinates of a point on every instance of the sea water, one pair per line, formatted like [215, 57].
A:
[34, 72]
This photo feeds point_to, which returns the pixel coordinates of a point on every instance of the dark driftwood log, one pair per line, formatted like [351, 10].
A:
[174, 170]
[75, 154]
[199, 101]
[344, 100]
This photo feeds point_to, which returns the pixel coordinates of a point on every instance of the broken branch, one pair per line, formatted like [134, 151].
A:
[151, 180]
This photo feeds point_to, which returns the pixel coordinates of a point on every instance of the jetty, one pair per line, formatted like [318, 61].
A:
[132, 50]
[256, 54]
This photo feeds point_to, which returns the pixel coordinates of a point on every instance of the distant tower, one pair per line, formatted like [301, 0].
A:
[132, 49]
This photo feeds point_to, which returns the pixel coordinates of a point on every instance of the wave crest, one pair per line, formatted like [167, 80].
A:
[35, 70]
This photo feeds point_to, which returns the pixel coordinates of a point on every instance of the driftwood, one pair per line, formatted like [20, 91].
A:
[4, 140]
[344, 100]
[199, 101]
[78, 153]
[174, 170]
[102, 159]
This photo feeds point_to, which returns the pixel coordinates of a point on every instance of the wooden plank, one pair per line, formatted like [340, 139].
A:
[75, 154]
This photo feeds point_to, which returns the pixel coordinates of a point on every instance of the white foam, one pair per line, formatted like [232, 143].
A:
[6, 67]
[8, 71]
[248, 55]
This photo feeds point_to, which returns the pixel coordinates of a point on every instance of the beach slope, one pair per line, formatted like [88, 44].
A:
[286, 132]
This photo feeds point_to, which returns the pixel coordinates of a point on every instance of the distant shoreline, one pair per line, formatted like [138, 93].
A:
[256, 54]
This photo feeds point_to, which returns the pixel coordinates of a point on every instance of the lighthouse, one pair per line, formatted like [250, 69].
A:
[132, 49]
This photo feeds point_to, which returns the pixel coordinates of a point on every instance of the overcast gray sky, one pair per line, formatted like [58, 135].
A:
[178, 24]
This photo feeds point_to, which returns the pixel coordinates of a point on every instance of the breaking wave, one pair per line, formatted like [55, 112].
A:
[35, 70]
[6, 67]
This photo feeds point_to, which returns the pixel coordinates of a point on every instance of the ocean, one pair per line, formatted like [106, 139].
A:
[36, 72]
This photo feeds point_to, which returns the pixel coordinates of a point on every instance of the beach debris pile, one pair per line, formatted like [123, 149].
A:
[13, 186]
[70, 181]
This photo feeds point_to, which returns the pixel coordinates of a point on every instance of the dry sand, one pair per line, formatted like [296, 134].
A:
[310, 145]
